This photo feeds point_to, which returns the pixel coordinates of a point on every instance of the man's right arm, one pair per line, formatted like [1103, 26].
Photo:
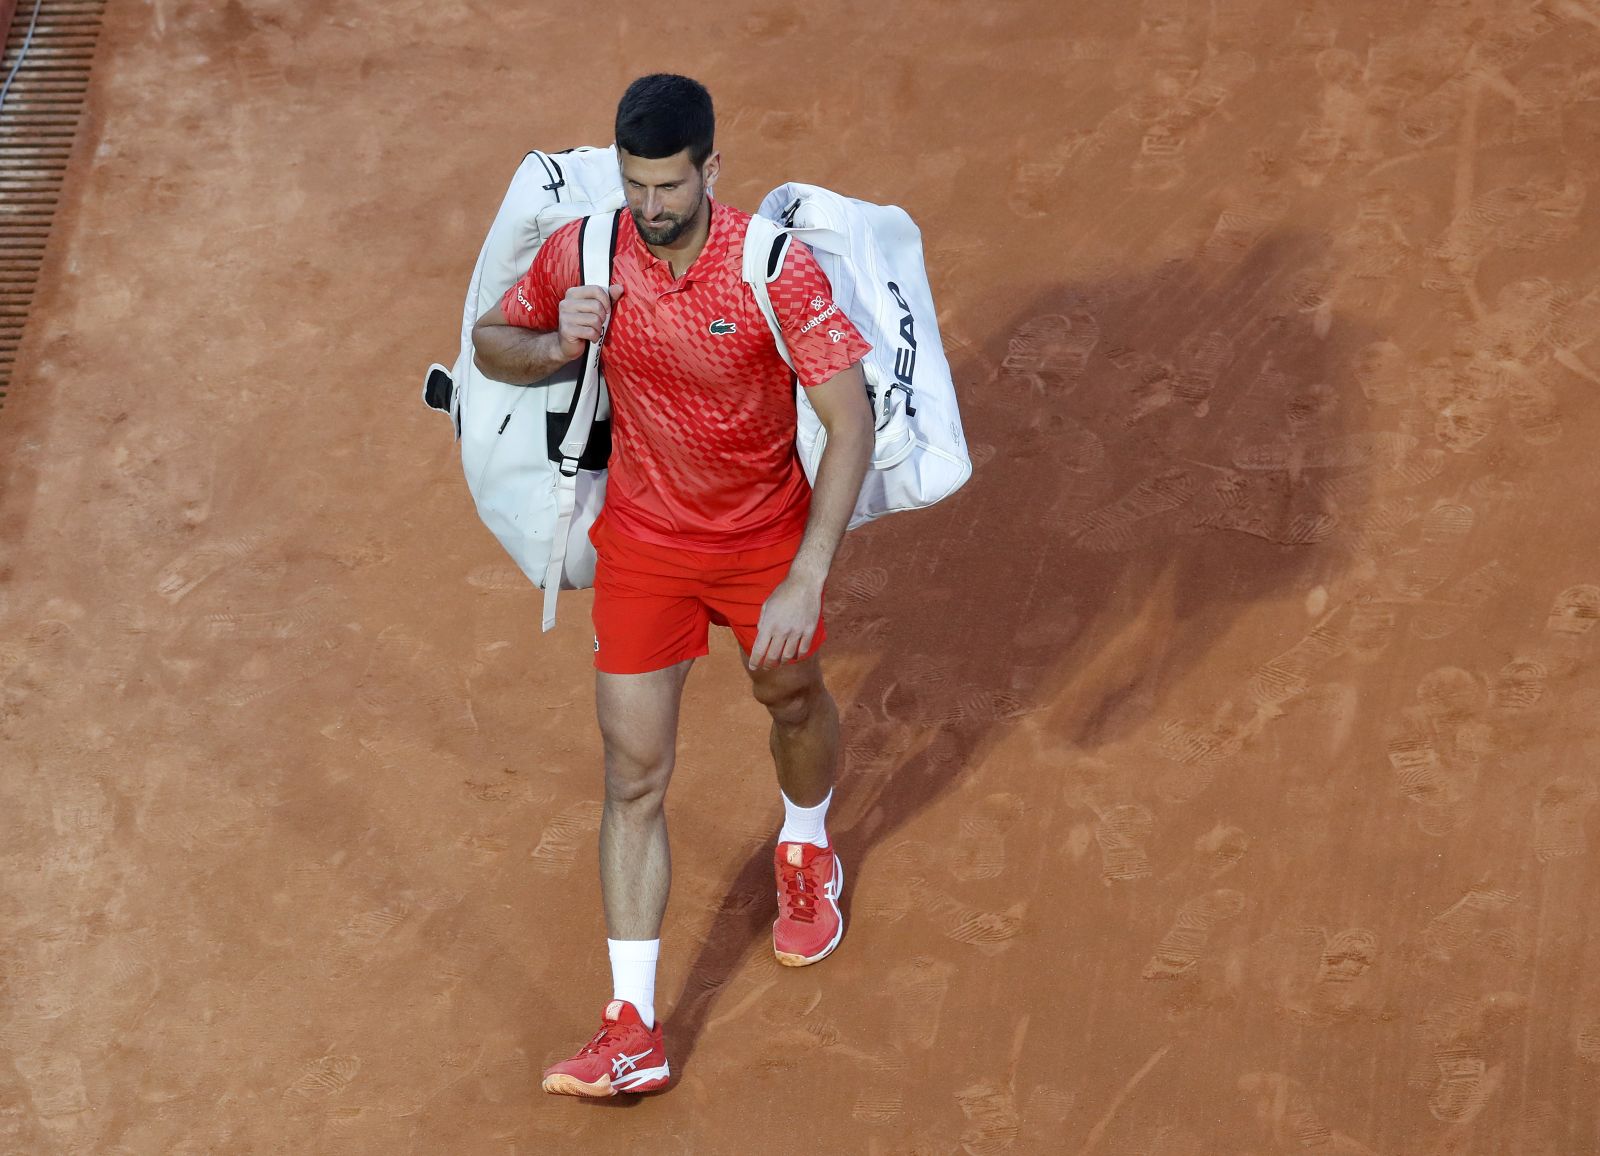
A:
[520, 356]
[515, 355]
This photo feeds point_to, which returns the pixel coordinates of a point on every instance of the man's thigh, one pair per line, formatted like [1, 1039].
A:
[643, 633]
[638, 715]
[647, 616]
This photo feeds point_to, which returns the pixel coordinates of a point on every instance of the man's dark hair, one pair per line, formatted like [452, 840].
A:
[662, 114]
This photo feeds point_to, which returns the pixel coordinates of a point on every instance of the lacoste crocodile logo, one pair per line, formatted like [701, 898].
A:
[722, 328]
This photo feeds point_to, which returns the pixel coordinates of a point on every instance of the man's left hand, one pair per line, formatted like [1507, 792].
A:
[788, 623]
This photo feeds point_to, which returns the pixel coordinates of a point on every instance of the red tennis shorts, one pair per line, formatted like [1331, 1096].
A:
[654, 605]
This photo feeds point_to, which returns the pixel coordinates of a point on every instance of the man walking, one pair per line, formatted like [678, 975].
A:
[708, 519]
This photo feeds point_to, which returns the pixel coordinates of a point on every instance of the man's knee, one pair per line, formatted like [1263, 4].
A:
[791, 702]
[638, 716]
[635, 777]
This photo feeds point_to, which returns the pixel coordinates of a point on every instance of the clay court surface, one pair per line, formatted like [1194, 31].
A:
[1220, 764]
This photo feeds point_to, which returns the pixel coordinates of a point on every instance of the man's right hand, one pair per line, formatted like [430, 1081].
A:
[519, 356]
[585, 310]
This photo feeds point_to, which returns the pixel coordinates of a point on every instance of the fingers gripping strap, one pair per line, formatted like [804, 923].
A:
[596, 240]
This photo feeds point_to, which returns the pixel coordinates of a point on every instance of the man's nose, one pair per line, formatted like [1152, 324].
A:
[652, 205]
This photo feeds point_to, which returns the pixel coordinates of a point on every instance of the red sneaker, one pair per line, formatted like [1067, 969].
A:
[809, 925]
[624, 1056]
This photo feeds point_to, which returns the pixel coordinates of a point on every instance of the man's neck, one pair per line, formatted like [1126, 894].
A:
[682, 253]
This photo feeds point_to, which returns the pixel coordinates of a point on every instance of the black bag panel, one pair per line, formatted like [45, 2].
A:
[595, 455]
[439, 389]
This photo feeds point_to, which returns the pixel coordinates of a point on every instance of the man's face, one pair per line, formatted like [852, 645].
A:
[665, 195]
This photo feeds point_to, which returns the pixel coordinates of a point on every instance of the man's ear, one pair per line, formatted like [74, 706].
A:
[710, 169]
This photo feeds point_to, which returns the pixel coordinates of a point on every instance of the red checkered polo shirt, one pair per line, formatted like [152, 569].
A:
[703, 420]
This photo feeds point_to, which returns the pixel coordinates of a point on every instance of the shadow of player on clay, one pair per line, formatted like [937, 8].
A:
[1151, 457]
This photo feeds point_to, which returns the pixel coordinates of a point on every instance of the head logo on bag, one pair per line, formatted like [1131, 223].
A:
[905, 358]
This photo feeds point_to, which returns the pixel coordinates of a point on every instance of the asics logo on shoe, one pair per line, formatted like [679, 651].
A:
[625, 1063]
[722, 328]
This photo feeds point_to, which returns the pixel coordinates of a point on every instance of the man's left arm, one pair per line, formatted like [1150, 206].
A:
[789, 616]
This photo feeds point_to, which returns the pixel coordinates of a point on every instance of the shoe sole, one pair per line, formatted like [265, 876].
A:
[789, 959]
[561, 1084]
[564, 1085]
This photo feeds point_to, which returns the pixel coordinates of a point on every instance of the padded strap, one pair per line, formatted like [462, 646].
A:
[597, 236]
[596, 241]
[766, 243]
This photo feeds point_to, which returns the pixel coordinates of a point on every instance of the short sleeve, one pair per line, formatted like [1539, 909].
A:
[821, 339]
[534, 302]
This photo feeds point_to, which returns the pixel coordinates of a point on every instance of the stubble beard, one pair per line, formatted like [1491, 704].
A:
[665, 235]
[675, 226]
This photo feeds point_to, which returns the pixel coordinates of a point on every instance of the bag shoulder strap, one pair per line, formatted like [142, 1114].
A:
[597, 239]
[766, 244]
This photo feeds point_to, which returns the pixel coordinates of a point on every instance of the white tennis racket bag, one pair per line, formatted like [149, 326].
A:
[872, 255]
[535, 455]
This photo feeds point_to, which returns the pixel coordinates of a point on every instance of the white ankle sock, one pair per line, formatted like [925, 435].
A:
[633, 974]
[805, 824]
